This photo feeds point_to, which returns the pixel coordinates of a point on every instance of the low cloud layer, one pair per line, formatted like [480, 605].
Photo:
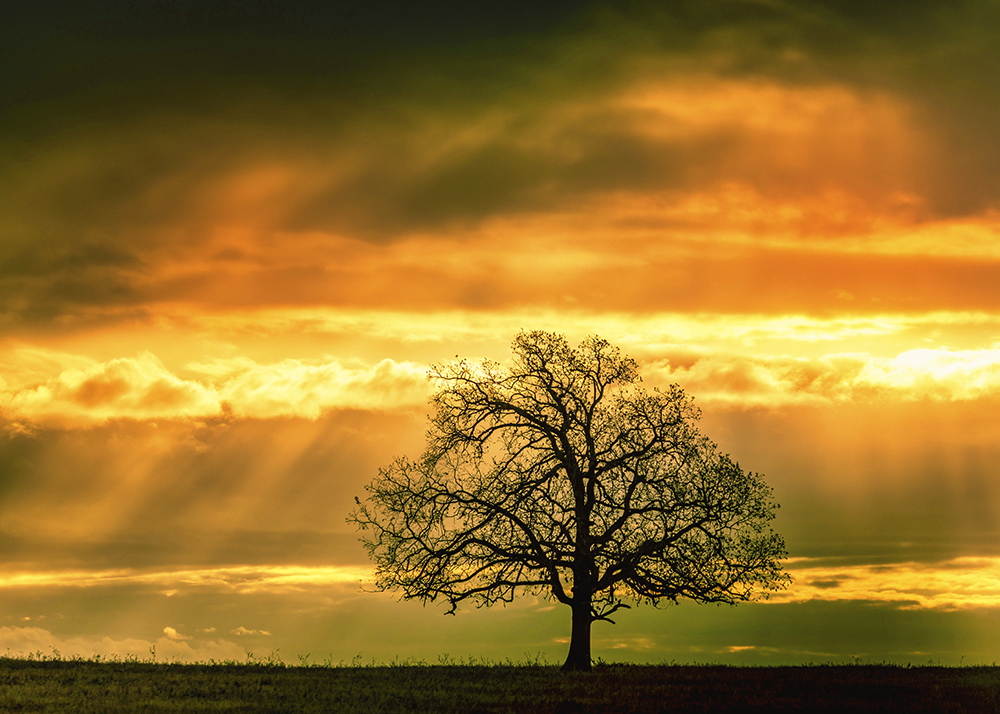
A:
[959, 583]
[84, 392]
[93, 392]
[914, 375]
[232, 579]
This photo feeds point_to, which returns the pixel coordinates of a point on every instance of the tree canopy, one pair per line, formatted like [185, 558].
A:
[561, 475]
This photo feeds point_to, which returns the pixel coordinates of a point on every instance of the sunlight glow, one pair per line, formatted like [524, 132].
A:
[243, 579]
[958, 583]
[954, 584]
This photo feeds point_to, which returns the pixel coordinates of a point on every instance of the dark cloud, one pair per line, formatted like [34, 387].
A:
[19, 454]
[30, 263]
[38, 284]
[380, 20]
[115, 57]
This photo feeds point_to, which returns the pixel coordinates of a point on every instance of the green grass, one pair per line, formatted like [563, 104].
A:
[52, 685]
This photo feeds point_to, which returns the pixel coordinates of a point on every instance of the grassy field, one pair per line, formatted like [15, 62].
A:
[89, 686]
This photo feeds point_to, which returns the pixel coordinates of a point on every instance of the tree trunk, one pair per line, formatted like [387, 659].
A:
[578, 659]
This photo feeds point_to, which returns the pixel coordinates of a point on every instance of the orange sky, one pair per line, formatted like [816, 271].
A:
[230, 251]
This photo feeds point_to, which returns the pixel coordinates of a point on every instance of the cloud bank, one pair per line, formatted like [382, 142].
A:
[90, 393]
[142, 388]
[959, 583]
[913, 375]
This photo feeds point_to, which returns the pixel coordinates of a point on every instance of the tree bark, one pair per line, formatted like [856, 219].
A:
[578, 659]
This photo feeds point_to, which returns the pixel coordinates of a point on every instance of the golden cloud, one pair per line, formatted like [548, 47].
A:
[142, 387]
[826, 138]
[959, 583]
[735, 360]
[954, 584]
[934, 374]
[232, 579]
[172, 634]
[646, 335]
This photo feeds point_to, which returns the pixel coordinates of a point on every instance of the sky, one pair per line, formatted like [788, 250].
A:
[234, 237]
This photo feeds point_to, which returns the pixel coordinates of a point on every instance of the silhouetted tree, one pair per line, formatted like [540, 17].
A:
[561, 475]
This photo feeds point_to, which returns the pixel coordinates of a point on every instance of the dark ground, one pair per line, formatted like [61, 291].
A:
[86, 686]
